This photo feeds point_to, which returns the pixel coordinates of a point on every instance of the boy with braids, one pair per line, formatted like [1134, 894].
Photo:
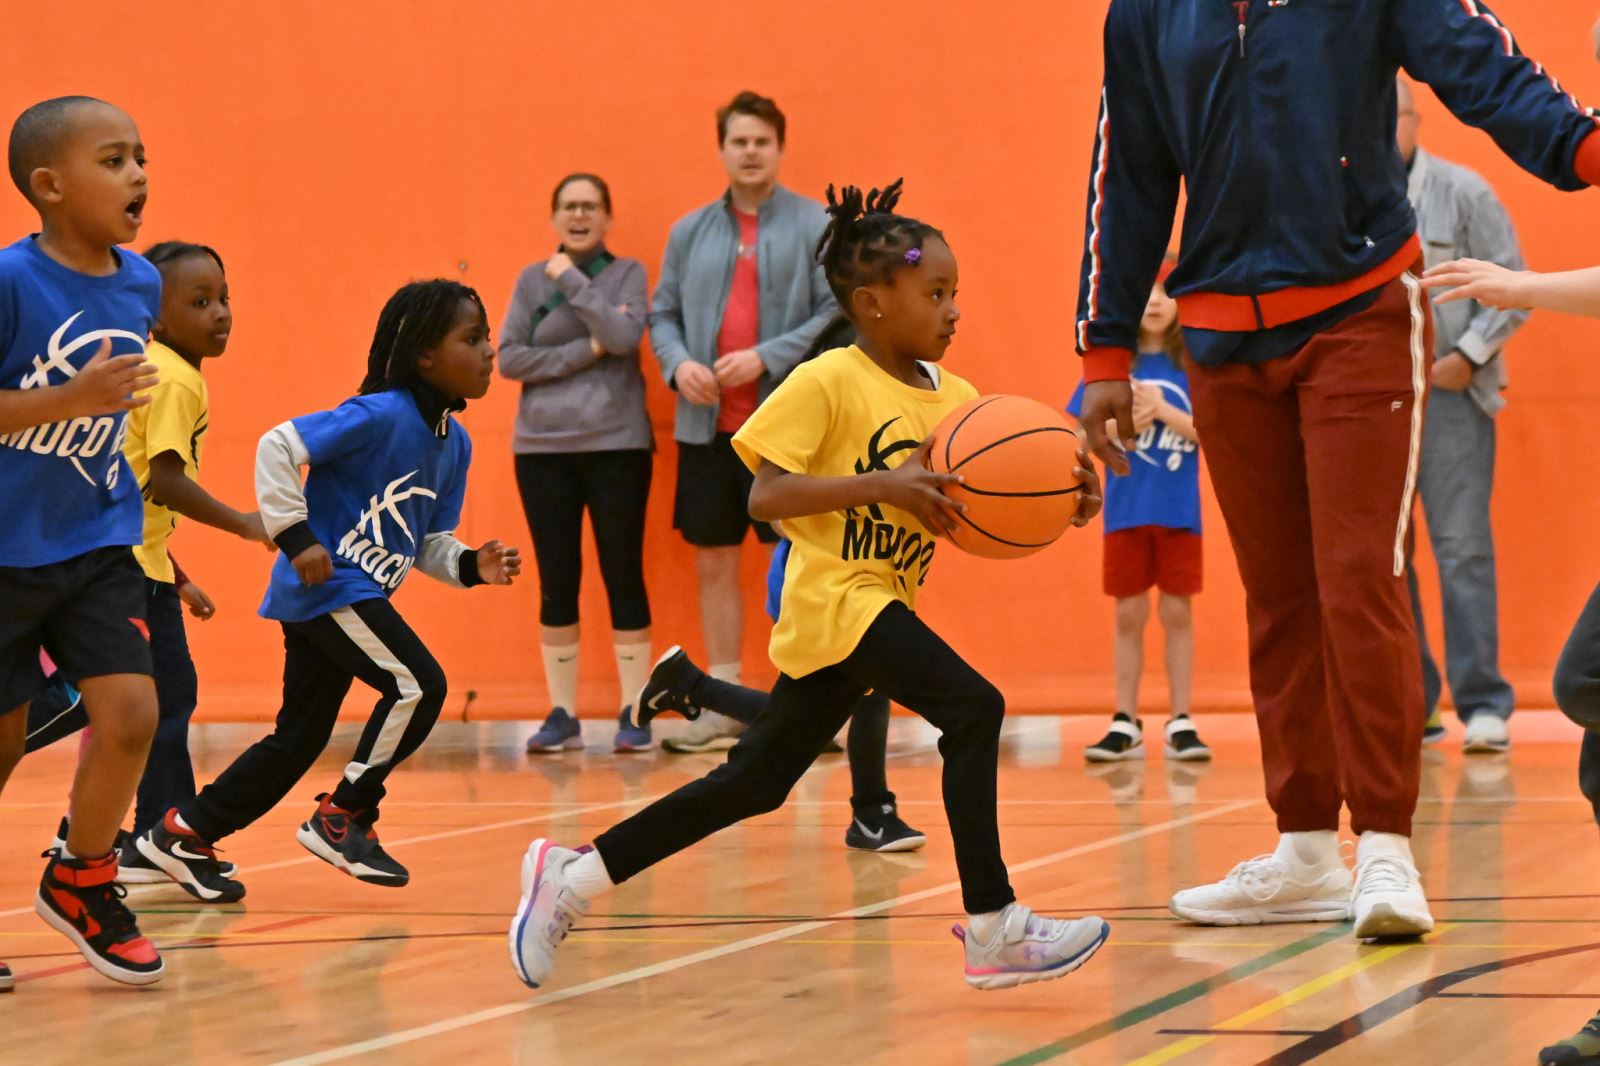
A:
[387, 477]
[836, 445]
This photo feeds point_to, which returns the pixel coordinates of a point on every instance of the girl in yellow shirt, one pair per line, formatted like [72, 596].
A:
[839, 453]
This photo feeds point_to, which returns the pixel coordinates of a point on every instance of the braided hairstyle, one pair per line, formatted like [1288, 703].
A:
[414, 321]
[866, 242]
[166, 253]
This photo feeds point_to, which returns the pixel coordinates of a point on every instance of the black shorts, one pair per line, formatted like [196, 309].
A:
[712, 505]
[88, 612]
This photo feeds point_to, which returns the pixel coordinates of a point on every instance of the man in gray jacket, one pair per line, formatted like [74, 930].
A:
[740, 299]
[1458, 215]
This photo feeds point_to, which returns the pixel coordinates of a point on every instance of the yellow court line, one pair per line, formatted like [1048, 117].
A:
[1280, 1002]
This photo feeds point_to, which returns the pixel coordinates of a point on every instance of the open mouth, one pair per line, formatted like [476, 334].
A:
[578, 233]
[135, 209]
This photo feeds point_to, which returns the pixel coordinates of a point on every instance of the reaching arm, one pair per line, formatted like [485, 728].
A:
[1572, 292]
[172, 488]
[1490, 236]
[778, 494]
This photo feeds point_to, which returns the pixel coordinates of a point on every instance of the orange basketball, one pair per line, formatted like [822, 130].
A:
[1016, 456]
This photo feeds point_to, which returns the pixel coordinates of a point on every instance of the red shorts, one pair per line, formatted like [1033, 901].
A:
[1137, 558]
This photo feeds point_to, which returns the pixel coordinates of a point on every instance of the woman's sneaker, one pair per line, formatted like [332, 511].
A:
[668, 687]
[631, 737]
[1269, 889]
[181, 854]
[334, 835]
[1183, 741]
[881, 829]
[81, 900]
[560, 732]
[1124, 741]
[545, 913]
[1029, 948]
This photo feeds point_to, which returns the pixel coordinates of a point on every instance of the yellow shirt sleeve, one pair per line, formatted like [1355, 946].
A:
[170, 422]
[789, 426]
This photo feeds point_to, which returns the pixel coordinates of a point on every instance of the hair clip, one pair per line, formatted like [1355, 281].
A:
[914, 256]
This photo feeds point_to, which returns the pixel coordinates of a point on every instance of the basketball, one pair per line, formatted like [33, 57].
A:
[1016, 456]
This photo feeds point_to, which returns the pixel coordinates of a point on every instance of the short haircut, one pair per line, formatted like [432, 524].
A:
[757, 106]
[594, 179]
[38, 134]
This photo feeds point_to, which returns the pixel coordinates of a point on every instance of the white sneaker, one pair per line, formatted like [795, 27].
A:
[546, 912]
[1029, 948]
[1269, 889]
[709, 732]
[1486, 733]
[1388, 899]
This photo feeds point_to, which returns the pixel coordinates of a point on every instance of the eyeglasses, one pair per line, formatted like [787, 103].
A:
[579, 207]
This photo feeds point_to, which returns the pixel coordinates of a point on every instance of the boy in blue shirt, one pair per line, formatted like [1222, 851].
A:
[1152, 537]
[75, 311]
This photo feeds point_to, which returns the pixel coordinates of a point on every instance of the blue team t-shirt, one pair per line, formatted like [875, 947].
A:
[67, 488]
[1163, 486]
[775, 570]
[380, 481]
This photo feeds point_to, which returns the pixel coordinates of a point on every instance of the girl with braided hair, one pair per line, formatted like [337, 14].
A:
[839, 453]
[387, 478]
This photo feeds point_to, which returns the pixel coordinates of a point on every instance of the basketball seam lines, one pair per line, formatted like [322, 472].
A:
[957, 428]
[1002, 540]
[1003, 440]
[1069, 490]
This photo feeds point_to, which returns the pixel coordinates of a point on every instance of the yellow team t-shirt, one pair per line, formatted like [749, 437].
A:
[173, 421]
[838, 415]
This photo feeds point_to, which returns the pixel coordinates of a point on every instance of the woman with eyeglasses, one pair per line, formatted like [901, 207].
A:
[583, 442]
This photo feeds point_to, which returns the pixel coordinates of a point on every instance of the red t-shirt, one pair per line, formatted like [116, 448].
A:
[741, 325]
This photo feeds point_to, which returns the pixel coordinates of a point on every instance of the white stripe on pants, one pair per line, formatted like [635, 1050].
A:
[394, 726]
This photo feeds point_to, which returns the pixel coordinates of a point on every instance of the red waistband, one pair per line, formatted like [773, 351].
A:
[1237, 314]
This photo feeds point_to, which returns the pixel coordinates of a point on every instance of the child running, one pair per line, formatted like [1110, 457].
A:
[75, 310]
[387, 478]
[835, 447]
[163, 449]
[1152, 536]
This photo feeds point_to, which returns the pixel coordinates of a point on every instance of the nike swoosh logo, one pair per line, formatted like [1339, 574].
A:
[183, 853]
[869, 834]
[654, 702]
[335, 833]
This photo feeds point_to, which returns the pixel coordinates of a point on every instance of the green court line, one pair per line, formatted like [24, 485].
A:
[1189, 993]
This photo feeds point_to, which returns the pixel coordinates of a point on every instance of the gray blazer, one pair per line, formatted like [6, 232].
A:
[697, 270]
[1459, 215]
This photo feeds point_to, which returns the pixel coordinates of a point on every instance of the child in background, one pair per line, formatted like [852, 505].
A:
[387, 478]
[1152, 537]
[75, 310]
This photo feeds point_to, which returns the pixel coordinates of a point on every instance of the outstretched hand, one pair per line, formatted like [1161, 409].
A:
[1473, 279]
[108, 384]
[498, 564]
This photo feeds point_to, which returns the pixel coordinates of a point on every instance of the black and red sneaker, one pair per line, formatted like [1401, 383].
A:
[181, 854]
[339, 838]
[80, 899]
[7, 982]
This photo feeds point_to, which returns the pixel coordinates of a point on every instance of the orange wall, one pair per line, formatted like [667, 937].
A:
[332, 151]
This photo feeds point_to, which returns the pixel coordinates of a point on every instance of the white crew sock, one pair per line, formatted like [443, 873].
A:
[728, 672]
[985, 927]
[633, 667]
[587, 875]
[1391, 844]
[561, 676]
[1316, 848]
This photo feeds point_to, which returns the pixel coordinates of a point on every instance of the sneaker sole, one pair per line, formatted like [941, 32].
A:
[911, 843]
[1311, 910]
[138, 875]
[1102, 755]
[621, 746]
[1486, 747]
[715, 744]
[179, 873]
[570, 744]
[993, 981]
[532, 869]
[1430, 739]
[317, 846]
[1384, 921]
[1192, 755]
[100, 965]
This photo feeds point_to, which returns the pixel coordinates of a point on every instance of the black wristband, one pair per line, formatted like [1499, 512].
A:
[467, 569]
[296, 539]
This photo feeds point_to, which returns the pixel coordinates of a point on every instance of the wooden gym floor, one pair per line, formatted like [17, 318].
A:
[771, 944]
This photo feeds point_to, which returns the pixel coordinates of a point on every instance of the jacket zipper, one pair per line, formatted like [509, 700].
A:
[1242, 9]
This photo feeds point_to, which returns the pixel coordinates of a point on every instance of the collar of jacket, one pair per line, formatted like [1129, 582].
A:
[765, 210]
[434, 406]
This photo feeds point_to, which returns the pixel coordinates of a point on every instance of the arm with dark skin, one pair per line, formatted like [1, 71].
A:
[173, 488]
[104, 386]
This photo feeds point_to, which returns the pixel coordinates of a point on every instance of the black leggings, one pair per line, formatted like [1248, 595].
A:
[1577, 685]
[614, 486]
[868, 743]
[904, 660]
